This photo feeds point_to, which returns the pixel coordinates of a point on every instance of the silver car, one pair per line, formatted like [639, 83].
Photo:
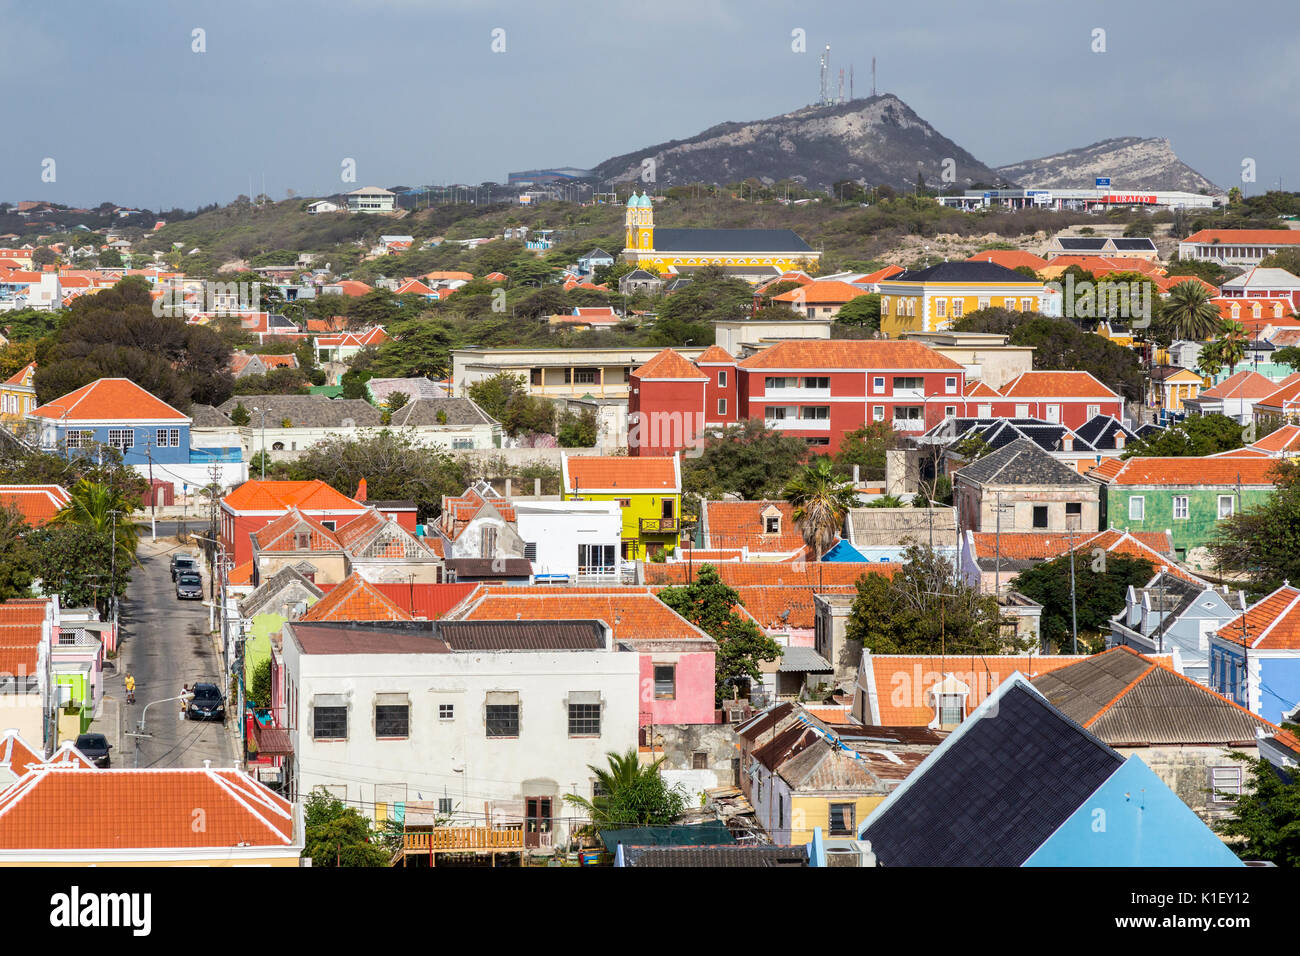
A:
[189, 586]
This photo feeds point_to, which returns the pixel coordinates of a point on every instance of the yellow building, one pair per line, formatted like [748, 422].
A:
[931, 300]
[17, 397]
[647, 489]
[752, 254]
[1174, 385]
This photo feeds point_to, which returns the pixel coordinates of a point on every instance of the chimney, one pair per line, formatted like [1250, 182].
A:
[508, 488]
[361, 490]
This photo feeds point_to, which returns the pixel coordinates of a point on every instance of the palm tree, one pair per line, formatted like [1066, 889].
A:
[1231, 344]
[1210, 362]
[105, 510]
[821, 499]
[632, 794]
[1188, 313]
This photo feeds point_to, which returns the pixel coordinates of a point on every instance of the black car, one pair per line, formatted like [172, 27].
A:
[95, 747]
[207, 704]
[189, 586]
[182, 563]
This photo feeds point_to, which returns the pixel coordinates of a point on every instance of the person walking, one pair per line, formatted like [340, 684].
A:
[130, 688]
[186, 697]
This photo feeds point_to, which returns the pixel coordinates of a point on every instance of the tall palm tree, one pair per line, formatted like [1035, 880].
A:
[821, 499]
[1210, 362]
[104, 509]
[632, 794]
[1231, 344]
[1188, 313]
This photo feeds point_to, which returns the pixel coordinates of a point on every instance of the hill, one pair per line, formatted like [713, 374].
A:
[1130, 161]
[879, 140]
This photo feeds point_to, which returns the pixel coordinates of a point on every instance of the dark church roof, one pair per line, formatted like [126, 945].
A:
[729, 240]
[963, 272]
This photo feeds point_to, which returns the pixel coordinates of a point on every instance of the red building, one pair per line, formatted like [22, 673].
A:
[1070, 398]
[816, 391]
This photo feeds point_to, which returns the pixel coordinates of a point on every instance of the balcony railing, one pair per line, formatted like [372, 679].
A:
[456, 839]
[796, 394]
[798, 424]
[909, 424]
[659, 526]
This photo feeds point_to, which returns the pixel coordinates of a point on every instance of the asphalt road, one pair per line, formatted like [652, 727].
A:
[165, 644]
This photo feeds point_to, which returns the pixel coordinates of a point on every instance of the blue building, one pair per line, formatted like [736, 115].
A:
[151, 435]
[1255, 658]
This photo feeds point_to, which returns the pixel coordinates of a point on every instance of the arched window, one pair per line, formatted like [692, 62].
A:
[277, 446]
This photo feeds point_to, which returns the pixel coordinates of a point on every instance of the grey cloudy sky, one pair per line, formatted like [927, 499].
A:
[413, 92]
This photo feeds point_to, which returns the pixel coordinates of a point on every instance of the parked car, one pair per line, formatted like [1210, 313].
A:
[183, 562]
[207, 703]
[189, 586]
[95, 747]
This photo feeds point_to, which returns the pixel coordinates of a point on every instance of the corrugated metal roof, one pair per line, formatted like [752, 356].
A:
[803, 660]
[709, 833]
[522, 635]
[715, 856]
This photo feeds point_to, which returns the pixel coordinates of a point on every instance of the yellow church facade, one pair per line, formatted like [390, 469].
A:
[932, 299]
[747, 253]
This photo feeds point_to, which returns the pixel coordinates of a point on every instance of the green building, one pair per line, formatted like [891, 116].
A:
[1187, 497]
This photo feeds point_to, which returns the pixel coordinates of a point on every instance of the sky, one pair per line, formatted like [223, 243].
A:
[449, 91]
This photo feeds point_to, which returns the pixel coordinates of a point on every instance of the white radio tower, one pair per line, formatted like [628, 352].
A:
[825, 98]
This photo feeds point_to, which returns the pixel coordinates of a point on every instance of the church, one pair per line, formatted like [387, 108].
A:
[752, 254]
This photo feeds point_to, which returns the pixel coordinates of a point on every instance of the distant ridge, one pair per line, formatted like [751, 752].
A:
[1130, 162]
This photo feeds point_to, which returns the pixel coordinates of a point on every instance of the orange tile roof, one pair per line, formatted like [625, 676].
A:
[600, 474]
[36, 503]
[352, 287]
[881, 275]
[1269, 237]
[1101, 266]
[670, 364]
[767, 603]
[47, 810]
[789, 573]
[1286, 438]
[312, 495]
[739, 524]
[634, 614]
[1047, 384]
[356, 599]
[1245, 384]
[1167, 283]
[902, 682]
[849, 354]
[1191, 471]
[981, 390]
[1286, 393]
[335, 323]
[1153, 546]
[21, 634]
[108, 399]
[280, 534]
[16, 756]
[1272, 622]
[715, 355]
[20, 377]
[822, 292]
[701, 555]
[496, 277]
[1288, 740]
[448, 276]
[1009, 258]
[1270, 309]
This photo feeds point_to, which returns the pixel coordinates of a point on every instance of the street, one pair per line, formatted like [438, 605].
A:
[165, 644]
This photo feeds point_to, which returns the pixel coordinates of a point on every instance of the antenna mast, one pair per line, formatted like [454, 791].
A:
[850, 81]
[840, 97]
[873, 76]
[825, 94]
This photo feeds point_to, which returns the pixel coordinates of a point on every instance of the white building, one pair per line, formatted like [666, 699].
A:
[494, 721]
[371, 199]
[320, 206]
[573, 541]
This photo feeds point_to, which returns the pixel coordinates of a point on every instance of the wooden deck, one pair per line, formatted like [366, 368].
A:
[491, 840]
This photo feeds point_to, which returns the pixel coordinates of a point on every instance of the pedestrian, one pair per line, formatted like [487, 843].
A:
[130, 688]
[185, 700]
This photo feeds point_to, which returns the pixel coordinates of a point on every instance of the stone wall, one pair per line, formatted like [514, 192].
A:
[1186, 770]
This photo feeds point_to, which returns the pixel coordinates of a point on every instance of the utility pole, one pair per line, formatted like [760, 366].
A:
[153, 497]
[1074, 614]
[997, 550]
[112, 572]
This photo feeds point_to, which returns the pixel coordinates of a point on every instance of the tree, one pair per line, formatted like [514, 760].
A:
[862, 311]
[1188, 313]
[709, 604]
[576, 431]
[1286, 258]
[1101, 583]
[925, 608]
[1195, 436]
[865, 447]
[110, 258]
[416, 348]
[44, 256]
[1266, 818]
[1265, 540]
[259, 688]
[397, 400]
[15, 559]
[105, 510]
[820, 499]
[74, 561]
[1288, 355]
[1210, 361]
[633, 794]
[493, 394]
[239, 414]
[526, 415]
[746, 460]
[339, 835]
[1231, 344]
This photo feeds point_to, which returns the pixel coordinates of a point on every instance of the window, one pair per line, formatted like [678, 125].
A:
[722, 379]
[392, 715]
[776, 381]
[907, 413]
[1074, 514]
[121, 438]
[444, 806]
[821, 381]
[80, 439]
[878, 383]
[819, 412]
[941, 308]
[984, 302]
[1137, 508]
[584, 713]
[950, 384]
[877, 413]
[950, 411]
[1040, 516]
[1225, 506]
[985, 411]
[1094, 411]
[1009, 304]
[1180, 506]
[502, 716]
[722, 406]
[302, 540]
[1026, 305]
[1225, 784]
[844, 819]
[1022, 411]
[598, 790]
[699, 760]
[584, 376]
[914, 382]
[487, 542]
[168, 438]
[624, 502]
[330, 721]
[952, 709]
[958, 307]
[330, 525]
[665, 682]
[1054, 413]
[462, 444]
[446, 711]
[595, 559]
[772, 524]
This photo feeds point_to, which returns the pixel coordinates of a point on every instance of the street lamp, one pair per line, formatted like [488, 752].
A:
[263, 411]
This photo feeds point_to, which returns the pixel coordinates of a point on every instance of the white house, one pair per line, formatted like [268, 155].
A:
[371, 199]
[571, 541]
[492, 721]
[320, 206]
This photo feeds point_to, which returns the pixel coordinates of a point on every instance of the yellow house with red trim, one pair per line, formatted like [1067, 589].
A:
[18, 396]
[932, 299]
